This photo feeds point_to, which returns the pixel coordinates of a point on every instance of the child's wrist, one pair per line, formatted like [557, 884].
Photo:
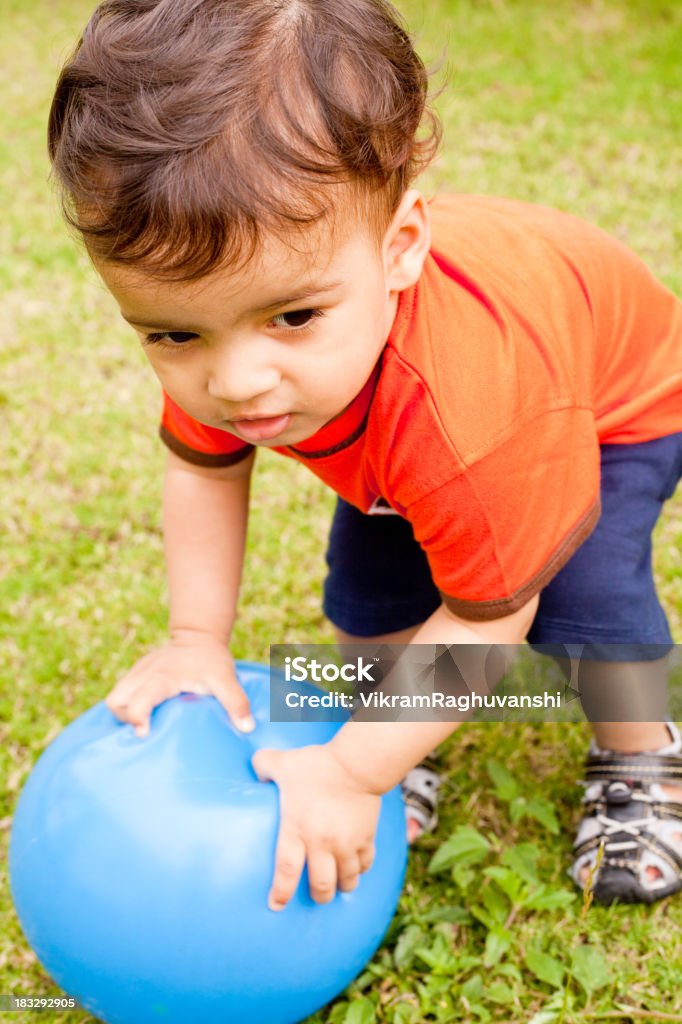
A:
[194, 633]
[350, 760]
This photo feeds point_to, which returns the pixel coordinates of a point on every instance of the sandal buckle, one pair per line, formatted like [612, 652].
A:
[618, 792]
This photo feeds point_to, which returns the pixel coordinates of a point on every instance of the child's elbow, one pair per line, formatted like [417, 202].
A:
[508, 629]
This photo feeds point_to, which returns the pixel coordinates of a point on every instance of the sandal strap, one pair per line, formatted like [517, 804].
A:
[642, 840]
[608, 767]
[414, 799]
[659, 810]
[420, 793]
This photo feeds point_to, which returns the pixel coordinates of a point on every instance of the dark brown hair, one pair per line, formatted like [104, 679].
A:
[180, 129]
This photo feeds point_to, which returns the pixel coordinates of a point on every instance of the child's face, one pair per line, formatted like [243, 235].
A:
[275, 350]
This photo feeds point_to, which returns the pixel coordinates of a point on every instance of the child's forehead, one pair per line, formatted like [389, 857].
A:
[319, 258]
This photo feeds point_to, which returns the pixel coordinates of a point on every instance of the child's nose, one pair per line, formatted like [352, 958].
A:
[240, 380]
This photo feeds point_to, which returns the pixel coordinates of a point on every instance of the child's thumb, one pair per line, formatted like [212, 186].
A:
[264, 763]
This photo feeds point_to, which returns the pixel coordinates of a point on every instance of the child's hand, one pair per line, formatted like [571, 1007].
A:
[327, 820]
[190, 662]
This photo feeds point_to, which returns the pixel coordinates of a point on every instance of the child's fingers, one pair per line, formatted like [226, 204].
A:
[135, 717]
[119, 698]
[348, 872]
[135, 699]
[234, 700]
[141, 704]
[366, 857]
[163, 673]
[289, 864]
[322, 875]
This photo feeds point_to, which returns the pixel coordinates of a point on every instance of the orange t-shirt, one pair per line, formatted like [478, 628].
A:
[530, 338]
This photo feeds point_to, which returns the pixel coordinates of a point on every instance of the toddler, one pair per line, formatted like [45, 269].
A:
[493, 389]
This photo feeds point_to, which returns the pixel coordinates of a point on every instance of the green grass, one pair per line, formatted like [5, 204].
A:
[576, 105]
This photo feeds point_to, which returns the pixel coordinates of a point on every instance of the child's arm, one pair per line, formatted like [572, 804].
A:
[385, 754]
[329, 795]
[205, 519]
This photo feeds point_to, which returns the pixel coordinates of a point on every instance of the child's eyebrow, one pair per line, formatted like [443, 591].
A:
[318, 288]
[135, 322]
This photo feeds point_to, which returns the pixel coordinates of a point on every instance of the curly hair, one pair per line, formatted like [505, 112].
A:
[182, 130]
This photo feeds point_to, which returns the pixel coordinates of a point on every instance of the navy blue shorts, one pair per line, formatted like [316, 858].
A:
[379, 579]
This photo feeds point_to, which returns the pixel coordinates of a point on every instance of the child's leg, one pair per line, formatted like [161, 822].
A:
[604, 608]
[634, 738]
[632, 817]
[379, 585]
[637, 690]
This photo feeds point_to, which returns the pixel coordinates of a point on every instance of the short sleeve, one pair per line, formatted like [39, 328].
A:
[195, 442]
[497, 532]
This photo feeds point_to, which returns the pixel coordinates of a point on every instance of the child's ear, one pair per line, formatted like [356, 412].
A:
[407, 242]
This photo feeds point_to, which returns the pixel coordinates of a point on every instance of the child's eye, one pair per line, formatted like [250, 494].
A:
[170, 339]
[297, 319]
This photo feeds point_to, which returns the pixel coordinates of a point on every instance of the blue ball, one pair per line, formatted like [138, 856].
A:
[140, 871]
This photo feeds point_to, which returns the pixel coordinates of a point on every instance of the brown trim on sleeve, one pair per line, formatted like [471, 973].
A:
[485, 611]
[213, 460]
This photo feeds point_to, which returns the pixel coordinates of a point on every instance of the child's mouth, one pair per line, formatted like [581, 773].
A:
[261, 429]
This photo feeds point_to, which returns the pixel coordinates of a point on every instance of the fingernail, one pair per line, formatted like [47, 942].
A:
[273, 905]
[142, 731]
[246, 724]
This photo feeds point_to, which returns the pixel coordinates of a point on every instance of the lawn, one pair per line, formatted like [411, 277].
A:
[573, 104]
